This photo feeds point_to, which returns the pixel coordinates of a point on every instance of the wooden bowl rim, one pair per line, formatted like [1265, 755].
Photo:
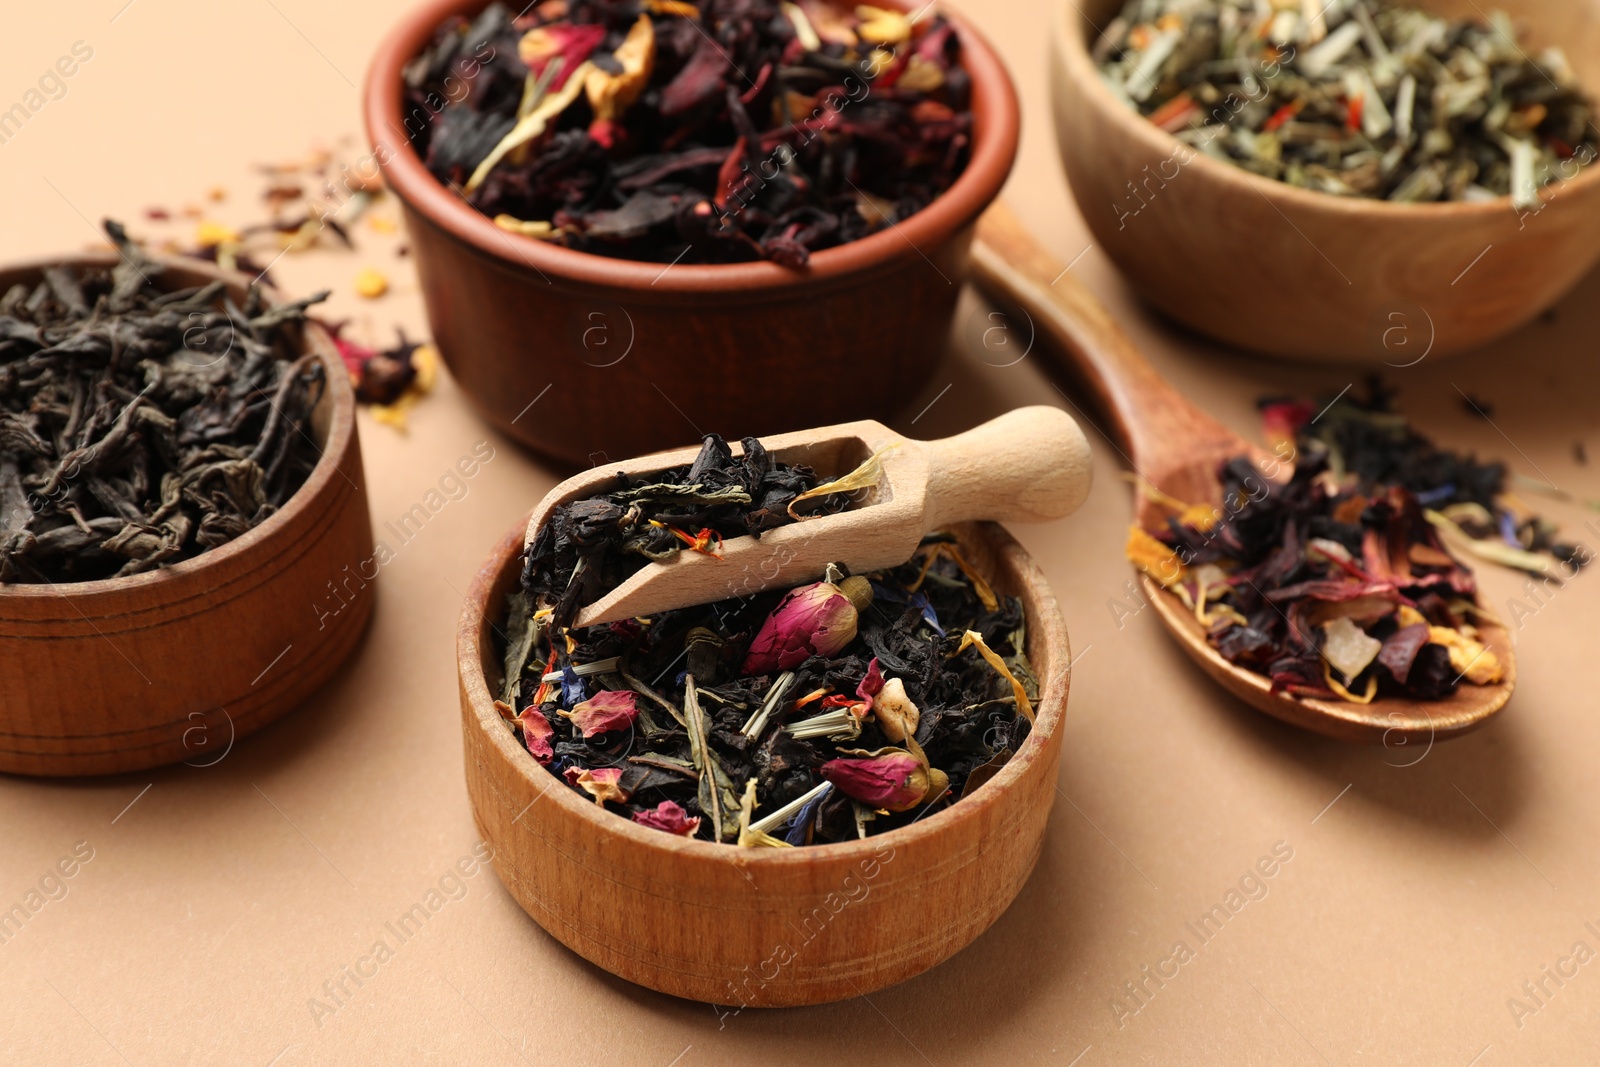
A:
[996, 123]
[1071, 53]
[341, 427]
[1049, 712]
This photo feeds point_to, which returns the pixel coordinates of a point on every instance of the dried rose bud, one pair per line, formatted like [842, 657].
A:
[897, 716]
[614, 709]
[888, 778]
[814, 620]
[668, 816]
[600, 783]
[536, 734]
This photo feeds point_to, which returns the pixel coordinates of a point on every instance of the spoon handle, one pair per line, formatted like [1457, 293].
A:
[1150, 418]
[1028, 465]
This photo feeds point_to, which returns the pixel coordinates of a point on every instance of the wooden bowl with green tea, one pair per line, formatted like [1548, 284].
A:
[715, 921]
[183, 516]
[1359, 190]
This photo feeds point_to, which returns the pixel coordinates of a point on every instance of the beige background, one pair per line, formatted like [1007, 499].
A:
[218, 900]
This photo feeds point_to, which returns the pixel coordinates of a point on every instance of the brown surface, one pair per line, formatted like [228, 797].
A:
[1262, 265]
[1178, 449]
[179, 663]
[219, 902]
[762, 927]
[512, 314]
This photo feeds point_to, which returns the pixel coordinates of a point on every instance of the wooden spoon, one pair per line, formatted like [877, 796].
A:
[1175, 447]
[1029, 465]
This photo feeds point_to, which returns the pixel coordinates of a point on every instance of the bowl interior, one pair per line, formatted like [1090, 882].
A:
[988, 548]
[331, 420]
[994, 146]
[1571, 25]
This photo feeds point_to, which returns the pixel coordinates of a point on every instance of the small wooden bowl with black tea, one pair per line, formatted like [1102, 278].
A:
[177, 663]
[749, 926]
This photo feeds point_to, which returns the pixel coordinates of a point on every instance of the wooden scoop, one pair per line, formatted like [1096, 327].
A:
[1177, 448]
[1030, 465]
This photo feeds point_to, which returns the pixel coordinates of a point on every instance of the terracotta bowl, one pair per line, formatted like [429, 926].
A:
[761, 927]
[1267, 267]
[639, 358]
[178, 663]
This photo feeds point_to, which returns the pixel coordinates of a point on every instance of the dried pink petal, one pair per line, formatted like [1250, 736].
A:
[600, 783]
[573, 44]
[813, 620]
[668, 816]
[536, 734]
[871, 685]
[890, 779]
[614, 709]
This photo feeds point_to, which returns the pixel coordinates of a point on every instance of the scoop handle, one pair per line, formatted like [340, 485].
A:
[1028, 465]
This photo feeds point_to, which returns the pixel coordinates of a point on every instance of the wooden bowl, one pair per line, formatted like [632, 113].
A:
[760, 927]
[177, 663]
[638, 358]
[1264, 266]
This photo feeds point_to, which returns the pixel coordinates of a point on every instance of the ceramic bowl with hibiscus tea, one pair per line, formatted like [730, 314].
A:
[635, 224]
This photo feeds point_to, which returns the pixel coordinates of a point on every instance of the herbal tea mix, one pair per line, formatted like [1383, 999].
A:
[1340, 584]
[823, 713]
[725, 131]
[1355, 97]
[140, 427]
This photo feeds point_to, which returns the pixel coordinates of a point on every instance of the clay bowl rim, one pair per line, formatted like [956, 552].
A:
[1049, 714]
[1071, 55]
[341, 427]
[996, 130]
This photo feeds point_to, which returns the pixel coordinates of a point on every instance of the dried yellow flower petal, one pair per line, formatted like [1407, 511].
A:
[973, 639]
[209, 234]
[921, 76]
[1471, 658]
[1154, 558]
[881, 26]
[866, 476]
[511, 223]
[980, 587]
[803, 29]
[1200, 516]
[749, 837]
[425, 360]
[610, 95]
[371, 283]
[1334, 684]
[673, 7]
[531, 125]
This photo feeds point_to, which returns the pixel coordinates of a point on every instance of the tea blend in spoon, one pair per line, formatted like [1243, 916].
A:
[140, 427]
[725, 131]
[1341, 584]
[1355, 97]
[827, 712]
